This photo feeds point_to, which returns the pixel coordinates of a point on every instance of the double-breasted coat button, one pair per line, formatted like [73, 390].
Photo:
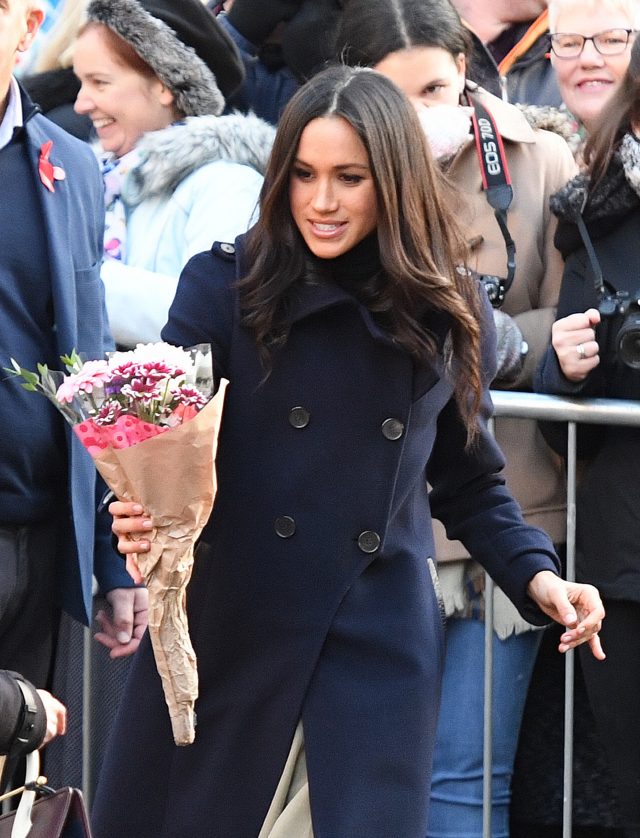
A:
[368, 541]
[392, 429]
[299, 417]
[285, 526]
[227, 247]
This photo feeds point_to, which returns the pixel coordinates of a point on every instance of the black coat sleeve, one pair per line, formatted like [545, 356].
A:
[19, 718]
[471, 499]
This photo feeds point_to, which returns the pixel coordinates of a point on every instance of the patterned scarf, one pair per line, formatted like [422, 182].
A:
[114, 174]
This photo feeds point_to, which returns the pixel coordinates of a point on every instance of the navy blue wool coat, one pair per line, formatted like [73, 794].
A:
[73, 216]
[313, 595]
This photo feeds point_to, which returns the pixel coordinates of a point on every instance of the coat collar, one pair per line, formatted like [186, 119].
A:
[315, 296]
[511, 122]
[322, 294]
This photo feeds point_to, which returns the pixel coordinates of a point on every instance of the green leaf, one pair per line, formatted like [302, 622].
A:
[72, 361]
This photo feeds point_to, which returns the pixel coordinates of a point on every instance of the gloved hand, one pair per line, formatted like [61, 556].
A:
[256, 19]
[509, 353]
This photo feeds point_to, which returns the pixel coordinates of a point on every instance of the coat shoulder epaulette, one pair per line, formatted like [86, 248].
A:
[225, 250]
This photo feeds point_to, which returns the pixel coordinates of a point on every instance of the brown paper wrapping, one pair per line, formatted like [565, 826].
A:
[173, 476]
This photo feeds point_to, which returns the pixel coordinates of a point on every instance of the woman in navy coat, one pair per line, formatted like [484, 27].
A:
[358, 360]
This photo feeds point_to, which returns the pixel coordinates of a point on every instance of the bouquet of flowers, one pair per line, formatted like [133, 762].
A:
[150, 420]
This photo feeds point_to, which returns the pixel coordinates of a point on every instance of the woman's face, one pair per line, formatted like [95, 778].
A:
[588, 81]
[331, 189]
[121, 103]
[428, 75]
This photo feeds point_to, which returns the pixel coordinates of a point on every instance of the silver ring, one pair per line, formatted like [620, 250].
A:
[580, 351]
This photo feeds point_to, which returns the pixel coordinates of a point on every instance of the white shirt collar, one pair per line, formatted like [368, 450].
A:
[13, 117]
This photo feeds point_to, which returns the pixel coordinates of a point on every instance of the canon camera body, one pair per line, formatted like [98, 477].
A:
[619, 331]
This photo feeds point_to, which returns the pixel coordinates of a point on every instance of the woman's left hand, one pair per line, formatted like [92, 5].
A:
[576, 606]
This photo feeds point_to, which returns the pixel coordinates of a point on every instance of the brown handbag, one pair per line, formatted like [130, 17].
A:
[52, 814]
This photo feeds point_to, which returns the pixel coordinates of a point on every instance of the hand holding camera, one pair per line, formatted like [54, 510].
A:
[574, 340]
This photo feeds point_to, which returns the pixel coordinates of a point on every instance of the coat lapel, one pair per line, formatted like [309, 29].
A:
[58, 232]
[315, 297]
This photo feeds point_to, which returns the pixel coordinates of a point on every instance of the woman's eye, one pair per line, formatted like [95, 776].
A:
[348, 178]
[302, 174]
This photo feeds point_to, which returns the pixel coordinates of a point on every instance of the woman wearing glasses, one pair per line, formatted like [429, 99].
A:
[590, 48]
[586, 361]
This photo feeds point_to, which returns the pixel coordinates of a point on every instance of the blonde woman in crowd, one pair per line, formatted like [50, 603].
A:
[590, 49]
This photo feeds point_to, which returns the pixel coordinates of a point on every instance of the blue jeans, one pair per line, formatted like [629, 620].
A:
[456, 787]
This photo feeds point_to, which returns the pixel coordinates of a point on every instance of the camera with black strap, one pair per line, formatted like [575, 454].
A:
[496, 183]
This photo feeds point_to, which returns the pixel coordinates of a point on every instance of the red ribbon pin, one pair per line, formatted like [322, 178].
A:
[47, 171]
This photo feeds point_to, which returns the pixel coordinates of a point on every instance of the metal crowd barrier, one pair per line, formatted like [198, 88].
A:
[573, 412]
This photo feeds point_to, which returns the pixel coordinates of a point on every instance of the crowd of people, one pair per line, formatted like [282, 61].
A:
[375, 211]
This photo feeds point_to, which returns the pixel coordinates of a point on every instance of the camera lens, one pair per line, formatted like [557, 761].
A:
[628, 341]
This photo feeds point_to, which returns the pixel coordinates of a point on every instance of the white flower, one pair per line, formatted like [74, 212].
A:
[144, 353]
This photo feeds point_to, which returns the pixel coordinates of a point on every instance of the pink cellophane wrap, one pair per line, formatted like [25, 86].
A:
[173, 476]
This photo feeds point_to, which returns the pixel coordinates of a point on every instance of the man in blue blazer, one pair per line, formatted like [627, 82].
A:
[51, 301]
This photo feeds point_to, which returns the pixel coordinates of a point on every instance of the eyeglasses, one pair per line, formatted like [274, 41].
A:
[609, 42]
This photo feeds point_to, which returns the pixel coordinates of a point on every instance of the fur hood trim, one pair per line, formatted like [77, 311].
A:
[175, 63]
[170, 155]
[616, 193]
[557, 120]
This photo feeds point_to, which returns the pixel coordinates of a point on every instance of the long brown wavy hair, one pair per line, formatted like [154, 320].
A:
[620, 114]
[420, 245]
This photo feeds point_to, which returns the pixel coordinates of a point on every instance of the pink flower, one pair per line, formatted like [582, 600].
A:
[110, 411]
[93, 374]
[141, 390]
[190, 396]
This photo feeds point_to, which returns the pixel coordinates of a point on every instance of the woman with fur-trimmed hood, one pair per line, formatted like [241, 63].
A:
[177, 174]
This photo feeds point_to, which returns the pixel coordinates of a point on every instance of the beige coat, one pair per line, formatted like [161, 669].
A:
[539, 163]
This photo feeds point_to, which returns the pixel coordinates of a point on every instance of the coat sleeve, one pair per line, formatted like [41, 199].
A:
[558, 167]
[13, 714]
[469, 496]
[108, 565]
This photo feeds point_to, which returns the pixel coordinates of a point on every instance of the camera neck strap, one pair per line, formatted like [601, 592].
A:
[598, 279]
[496, 180]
